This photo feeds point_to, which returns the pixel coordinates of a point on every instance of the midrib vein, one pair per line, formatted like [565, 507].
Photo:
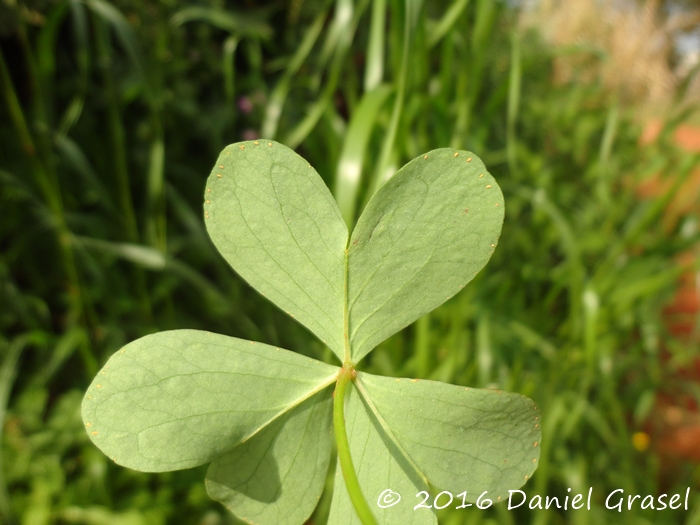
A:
[346, 309]
[387, 430]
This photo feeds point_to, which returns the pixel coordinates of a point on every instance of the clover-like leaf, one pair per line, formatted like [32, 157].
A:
[261, 415]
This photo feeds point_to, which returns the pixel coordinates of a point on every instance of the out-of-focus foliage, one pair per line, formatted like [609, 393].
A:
[646, 58]
[112, 115]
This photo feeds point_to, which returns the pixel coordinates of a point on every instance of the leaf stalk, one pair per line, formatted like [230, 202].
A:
[346, 375]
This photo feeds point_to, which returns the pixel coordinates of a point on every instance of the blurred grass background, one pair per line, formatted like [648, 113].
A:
[112, 113]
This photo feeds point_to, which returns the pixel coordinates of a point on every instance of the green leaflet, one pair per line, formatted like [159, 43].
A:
[274, 220]
[278, 475]
[460, 438]
[407, 431]
[262, 415]
[182, 398]
[423, 236]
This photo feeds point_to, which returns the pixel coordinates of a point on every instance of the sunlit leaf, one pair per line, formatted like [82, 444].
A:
[277, 476]
[424, 235]
[182, 398]
[274, 220]
[461, 439]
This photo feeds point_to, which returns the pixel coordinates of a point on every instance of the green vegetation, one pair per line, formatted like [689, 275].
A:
[113, 113]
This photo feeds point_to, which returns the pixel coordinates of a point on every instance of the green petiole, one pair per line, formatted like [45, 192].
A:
[341, 437]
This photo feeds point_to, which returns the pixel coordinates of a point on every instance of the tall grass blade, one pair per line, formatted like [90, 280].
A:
[374, 65]
[110, 15]
[447, 22]
[115, 127]
[8, 372]
[141, 255]
[337, 36]
[513, 103]
[412, 12]
[606, 146]
[352, 157]
[79, 25]
[302, 130]
[227, 65]
[155, 221]
[46, 50]
[273, 111]
[243, 25]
